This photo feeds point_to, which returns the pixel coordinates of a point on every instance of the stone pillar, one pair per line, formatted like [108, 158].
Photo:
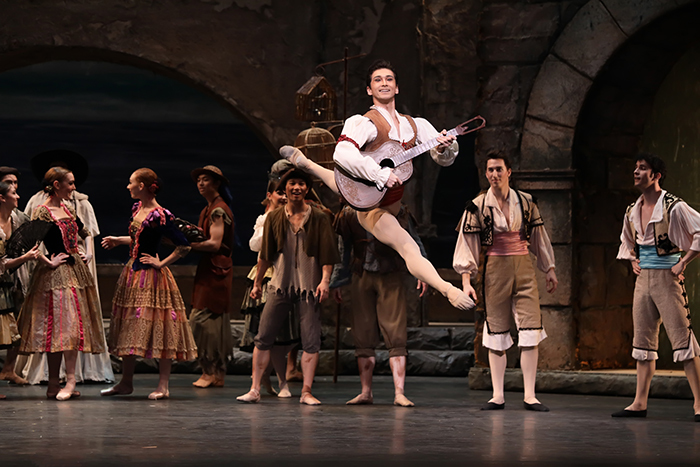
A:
[553, 191]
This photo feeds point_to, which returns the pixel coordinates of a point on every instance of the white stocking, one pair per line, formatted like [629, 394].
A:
[528, 363]
[296, 157]
[388, 231]
[497, 365]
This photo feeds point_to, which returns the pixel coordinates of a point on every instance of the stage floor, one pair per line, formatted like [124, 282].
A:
[208, 427]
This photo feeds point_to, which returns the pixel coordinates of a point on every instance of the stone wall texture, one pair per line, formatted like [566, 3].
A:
[566, 87]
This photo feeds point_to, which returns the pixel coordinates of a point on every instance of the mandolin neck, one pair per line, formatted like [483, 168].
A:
[418, 150]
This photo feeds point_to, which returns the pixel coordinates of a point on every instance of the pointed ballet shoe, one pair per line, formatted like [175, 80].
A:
[203, 383]
[493, 406]
[114, 392]
[65, 395]
[361, 399]
[536, 407]
[14, 378]
[401, 400]
[624, 413]
[156, 395]
[251, 397]
[285, 393]
[459, 299]
[308, 399]
[293, 155]
[697, 417]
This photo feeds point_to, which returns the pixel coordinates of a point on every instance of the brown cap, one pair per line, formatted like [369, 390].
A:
[209, 170]
[295, 173]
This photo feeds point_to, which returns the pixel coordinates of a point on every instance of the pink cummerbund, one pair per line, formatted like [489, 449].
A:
[507, 244]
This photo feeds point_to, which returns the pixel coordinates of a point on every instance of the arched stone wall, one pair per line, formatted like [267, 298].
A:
[607, 40]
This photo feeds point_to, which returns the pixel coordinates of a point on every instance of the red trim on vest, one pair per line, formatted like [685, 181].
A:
[393, 195]
[349, 140]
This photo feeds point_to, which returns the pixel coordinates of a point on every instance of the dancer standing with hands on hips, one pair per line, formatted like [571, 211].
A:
[148, 314]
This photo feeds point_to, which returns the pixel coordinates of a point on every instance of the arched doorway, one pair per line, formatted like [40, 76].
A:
[608, 134]
[123, 116]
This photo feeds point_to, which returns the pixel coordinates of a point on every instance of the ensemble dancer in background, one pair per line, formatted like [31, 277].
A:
[10, 289]
[378, 298]
[656, 229]
[299, 241]
[368, 132]
[252, 308]
[148, 314]
[210, 318]
[61, 314]
[89, 367]
[508, 223]
[14, 277]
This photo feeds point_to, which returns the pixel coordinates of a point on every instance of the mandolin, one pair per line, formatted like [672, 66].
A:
[364, 195]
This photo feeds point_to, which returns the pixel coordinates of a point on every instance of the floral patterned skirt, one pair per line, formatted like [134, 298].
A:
[61, 311]
[148, 316]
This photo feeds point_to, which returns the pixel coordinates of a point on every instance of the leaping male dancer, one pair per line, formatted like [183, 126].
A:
[381, 124]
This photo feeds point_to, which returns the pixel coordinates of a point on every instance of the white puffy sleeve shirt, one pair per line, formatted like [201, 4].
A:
[361, 130]
[466, 255]
[255, 242]
[683, 228]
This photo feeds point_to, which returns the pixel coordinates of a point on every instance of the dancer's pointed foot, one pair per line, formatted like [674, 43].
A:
[120, 389]
[251, 397]
[307, 399]
[402, 401]
[361, 399]
[285, 393]
[294, 155]
[13, 378]
[459, 299]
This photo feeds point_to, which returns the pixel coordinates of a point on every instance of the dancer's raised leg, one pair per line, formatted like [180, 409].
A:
[296, 157]
[386, 228]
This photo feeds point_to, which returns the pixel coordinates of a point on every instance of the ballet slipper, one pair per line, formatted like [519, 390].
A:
[204, 381]
[155, 395]
[402, 401]
[307, 399]
[3, 397]
[361, 399]
[284, 392]
[14, 378]
[115, 391]
[459, 299]
[538, 407]
[267, 384]
[294, 155]
[251, 397]
[64, 395]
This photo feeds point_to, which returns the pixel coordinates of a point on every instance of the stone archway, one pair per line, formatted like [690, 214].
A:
[573, 116]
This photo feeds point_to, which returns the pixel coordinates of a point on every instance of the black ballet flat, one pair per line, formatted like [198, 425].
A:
[536, 407]
[633, 414]
[697, 417]
[493, 406]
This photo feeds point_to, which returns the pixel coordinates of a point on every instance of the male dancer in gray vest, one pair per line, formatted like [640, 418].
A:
[657, 227]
